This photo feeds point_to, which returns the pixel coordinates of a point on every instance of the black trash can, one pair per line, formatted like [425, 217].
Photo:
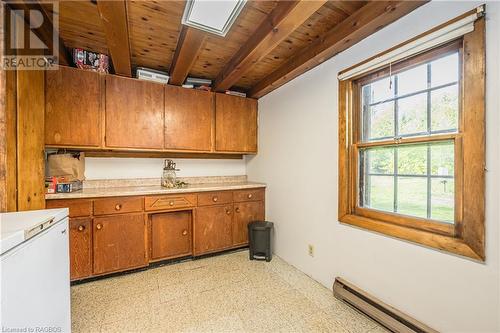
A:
[259, 234]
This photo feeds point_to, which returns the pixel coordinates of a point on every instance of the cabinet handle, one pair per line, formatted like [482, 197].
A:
[171, 203]
[118, 206]
[237, 209]
[81, 228]
[215, 199]
[98, 226]
[250, 196]
[184, 233]
[228, 211]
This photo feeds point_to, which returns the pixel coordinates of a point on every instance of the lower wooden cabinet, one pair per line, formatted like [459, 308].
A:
[80, 247]
[213, 229]
[115, 234]
[170, 235]
[119, 242]
[244, 213]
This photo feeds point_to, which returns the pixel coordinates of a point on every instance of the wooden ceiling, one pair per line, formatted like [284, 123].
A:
[270, 43]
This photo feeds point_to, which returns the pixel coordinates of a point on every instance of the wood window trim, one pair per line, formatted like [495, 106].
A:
[467, 236]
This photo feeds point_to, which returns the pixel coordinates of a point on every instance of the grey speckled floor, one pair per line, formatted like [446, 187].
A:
[227, 293]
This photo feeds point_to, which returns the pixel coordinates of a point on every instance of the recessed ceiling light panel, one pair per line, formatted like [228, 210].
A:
[214, 16]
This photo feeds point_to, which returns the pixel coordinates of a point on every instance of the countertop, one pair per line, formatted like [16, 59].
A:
[151, 190]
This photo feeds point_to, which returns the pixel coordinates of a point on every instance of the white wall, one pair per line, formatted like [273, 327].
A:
[126, 168]
[298, 160]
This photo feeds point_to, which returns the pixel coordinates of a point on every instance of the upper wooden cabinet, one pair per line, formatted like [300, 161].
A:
[236, 124]
[188, 119]
[72, 107]
[101, 111]
[134, 113]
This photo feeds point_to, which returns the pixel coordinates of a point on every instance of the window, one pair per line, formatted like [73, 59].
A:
[411, 141]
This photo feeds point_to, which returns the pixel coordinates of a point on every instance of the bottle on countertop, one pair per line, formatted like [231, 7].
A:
[169, 177]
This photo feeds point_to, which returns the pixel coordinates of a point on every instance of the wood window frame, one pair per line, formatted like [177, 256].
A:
[466, 237]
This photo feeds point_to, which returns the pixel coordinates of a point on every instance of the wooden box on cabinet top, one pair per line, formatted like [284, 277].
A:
[236, 124]
[134, 113]
[72, 107]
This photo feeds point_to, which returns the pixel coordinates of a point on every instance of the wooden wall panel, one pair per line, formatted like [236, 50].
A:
[318, 24]
[8, 140]
[218, 51]
[154, 28]
[30, 140]
[80, 25]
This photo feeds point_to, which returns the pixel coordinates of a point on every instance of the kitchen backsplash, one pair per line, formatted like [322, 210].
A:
[134, 168]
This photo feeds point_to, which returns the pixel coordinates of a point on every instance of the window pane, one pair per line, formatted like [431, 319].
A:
[379, 121]
[412, 160]
[444, 108]
[412, 80]
[380, 160]
[379, 193]
[380, 90]
[444, 70]
[420, 182]
[412, 196]
[412, 114]
[443, 159]
[443, 199]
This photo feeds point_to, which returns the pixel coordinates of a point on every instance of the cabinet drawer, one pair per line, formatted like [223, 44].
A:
[215, 198]
[163, 202]
[77, 208]
[118, 205]
[248, 195]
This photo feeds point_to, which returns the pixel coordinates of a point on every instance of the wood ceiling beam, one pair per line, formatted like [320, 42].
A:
[285, 18]
[188, 47]
[114, 19]
[365, 21]
[45, 31]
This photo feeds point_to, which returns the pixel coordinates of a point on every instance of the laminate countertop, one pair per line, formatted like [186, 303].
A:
[152, 190]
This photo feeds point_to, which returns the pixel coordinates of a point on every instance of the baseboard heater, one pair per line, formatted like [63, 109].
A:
[379, 311]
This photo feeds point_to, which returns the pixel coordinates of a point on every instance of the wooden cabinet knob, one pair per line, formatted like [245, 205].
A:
[98, 226]
[228, 211]
[81, 228]
[250, 196]
[237, 210]
[215, 199]
[184, 233]
[171, 203]
[118, 206]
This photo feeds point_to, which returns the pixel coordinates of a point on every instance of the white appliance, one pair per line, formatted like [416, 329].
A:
[152, 75]
[34, 269]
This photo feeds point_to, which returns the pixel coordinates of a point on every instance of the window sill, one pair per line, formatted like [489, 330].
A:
[429, 239]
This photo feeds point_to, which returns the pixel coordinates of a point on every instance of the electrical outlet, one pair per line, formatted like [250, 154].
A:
[310, 250]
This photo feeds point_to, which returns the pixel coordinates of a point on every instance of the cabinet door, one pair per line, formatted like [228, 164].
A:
[244, 213]
[188, 119]
[134, 113]
[236, 124]
[171, 235]
[212, 228]
[119, 242]
[72, 107]
[80, 248]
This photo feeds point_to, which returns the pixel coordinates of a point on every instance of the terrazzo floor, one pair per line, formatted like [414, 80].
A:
[226, 293]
